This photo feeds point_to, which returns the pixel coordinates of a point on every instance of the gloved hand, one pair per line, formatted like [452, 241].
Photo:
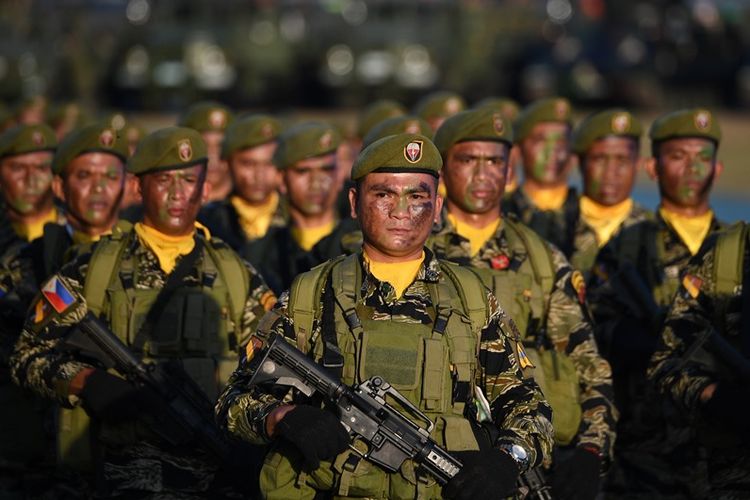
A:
[108, 397]
[489, 473]
[316, 433]
[577, 478]
[730, 404]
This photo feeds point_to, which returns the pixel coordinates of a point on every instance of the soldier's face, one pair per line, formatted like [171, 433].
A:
[609, 169]
[92, 189]
[172, 199]
[311, 184]
[545, 153]
[396, 212]
[474, 175]
[255, 176]
[25, 182]
[686, 168]
[218, 170]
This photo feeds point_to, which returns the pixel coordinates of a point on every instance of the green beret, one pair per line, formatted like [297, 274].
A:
[473, 125]
[305, 140]
[551, 109]
[206, 116]
[94, 138]
[611, 122]
[407, 124]
[508, 108]
[439, 104]
[249, 132]
[398, 153]
[377, 112]
[696, 122]
[24, 139]
[170, 148]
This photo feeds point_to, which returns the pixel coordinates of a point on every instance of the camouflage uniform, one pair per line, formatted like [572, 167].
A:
[559, 227]
[133, 458]
[585, 244]
[701, 307]
[634, 280]
[518, 409]
[566, 324]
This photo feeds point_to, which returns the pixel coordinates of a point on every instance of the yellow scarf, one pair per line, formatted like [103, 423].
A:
[547, 198]
[307, 237]
[477, 236]
[692, 230]
[512, 186]
[81, 238]
[167, 248]
[398, 274]
[602, 219]
[255, 219]
[34, 229]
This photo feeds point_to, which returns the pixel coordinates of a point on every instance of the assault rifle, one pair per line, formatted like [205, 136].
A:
[186, 415]
[363, 410]
[533, 485]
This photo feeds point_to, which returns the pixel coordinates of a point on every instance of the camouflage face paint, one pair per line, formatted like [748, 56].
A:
[545, 154]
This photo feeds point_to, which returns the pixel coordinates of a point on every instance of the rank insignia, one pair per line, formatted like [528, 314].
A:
[523, 358]
[692, 284]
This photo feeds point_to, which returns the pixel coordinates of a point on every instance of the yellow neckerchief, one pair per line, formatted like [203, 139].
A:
[512, 186]
[602, 219]
[692, 230]
[398, 274]
[307, 237]
[477, 236]
[34, 229]
[81, 238]
[167, 248]
[255, 219]
[547, 198]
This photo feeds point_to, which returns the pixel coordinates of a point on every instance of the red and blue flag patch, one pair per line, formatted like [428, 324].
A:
[59, 297]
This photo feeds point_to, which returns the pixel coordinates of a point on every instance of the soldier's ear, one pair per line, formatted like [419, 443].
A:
[438, 209]
[57, 187]
[718, 169]
[650, 166]
[353, 202]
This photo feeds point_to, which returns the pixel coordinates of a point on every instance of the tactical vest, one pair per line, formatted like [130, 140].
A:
[199, 326]
[434, 366]
[523, 290]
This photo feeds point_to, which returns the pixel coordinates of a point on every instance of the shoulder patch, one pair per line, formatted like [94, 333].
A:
[692, 285]
[523, 359]
[57, 295]
[255, 344]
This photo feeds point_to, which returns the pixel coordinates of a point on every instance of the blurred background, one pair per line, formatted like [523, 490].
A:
[153, 58]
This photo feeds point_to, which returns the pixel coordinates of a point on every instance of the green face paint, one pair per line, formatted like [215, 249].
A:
[21, 206]
[545, 154]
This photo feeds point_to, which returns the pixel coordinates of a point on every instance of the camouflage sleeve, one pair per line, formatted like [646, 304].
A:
[242, 409]
[570, 330]
[37, 362]
[676, 374]
[260, 300]
[519, 409]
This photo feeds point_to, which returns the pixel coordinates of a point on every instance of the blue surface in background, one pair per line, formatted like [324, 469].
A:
[728, 208]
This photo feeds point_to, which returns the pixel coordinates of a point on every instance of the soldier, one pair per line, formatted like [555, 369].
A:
[391, 288]
[606, 145]
[376, 113]
[540, 291]
[173, 295]
[211, 119]
[26, 183]
[434, 108]
[701, 361]
[545, 202]
[508, 109]
[306, 157]
[89, 175]
[255, 205]
[634, 280]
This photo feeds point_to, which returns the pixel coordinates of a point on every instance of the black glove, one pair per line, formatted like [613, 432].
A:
[577, 478]
[316, 433]
[730, 405]
[490, 473]
[108, 397]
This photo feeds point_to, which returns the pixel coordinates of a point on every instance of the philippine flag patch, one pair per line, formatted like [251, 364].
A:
[57, 295]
